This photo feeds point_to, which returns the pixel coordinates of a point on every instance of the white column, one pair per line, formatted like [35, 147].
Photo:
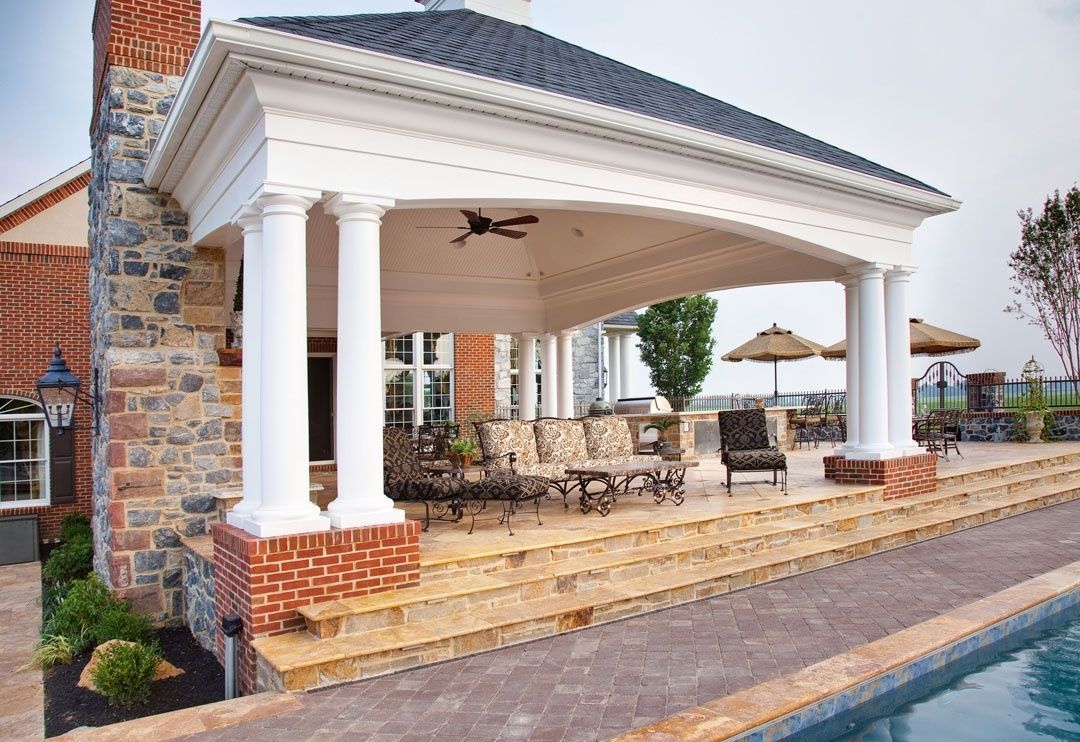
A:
[624, 364]
[873, 380]
[527, 376]
[549, 375]
[614, 358]
[249, 219]
[359, 384]
[286, 506]
[898, 358]
[851, 316]
[566, 374]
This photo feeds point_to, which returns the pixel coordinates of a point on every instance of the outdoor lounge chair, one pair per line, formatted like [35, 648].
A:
[744, 446]
[404, 481]
[939, 430]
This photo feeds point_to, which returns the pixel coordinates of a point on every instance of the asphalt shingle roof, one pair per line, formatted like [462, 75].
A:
[626, 319]
[490, 47]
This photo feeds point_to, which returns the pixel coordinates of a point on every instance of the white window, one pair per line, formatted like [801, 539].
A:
[418, 379]
[24, 453]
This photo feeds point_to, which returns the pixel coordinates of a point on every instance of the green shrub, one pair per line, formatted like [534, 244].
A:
[121, 623]
[124, 672]
[51, 650]
[72, 561]
[80, 610]
[75, 527]
[52, 595]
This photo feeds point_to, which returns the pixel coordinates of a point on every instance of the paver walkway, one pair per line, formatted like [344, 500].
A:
[22, 697]
[596, 683]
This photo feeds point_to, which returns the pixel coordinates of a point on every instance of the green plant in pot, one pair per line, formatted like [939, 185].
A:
[462, 452]
[1034, 420]
[661, 427]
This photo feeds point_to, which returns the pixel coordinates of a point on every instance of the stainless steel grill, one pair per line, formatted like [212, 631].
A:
[642, 405]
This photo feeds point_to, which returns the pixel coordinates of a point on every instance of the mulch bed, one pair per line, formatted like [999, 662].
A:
[68, 706]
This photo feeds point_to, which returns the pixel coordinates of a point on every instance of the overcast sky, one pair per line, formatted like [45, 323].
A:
[978, 98]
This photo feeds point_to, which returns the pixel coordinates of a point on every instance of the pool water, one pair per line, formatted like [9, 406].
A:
[1030, 691]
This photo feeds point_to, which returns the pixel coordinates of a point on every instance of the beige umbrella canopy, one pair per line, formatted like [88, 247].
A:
[926, 340]
[774, 344]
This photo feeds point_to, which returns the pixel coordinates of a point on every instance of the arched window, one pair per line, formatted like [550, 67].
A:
[24, 453]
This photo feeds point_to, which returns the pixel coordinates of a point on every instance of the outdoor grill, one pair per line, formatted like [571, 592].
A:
[642, 405]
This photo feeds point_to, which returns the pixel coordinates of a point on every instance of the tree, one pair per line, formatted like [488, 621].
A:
[1046, 276]
[675, 340]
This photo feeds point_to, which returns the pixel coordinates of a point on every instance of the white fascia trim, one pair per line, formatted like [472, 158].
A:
[396, 75]
[50, 185]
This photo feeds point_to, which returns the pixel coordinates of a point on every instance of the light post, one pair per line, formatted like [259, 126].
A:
[60, 391]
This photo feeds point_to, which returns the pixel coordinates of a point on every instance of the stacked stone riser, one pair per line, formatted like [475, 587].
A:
[578, 572]
[500, 627]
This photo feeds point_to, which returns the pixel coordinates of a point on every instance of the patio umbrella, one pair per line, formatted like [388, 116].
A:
[774, 344]
[926, 340]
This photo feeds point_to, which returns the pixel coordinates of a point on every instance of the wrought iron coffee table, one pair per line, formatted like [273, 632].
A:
[663, 480]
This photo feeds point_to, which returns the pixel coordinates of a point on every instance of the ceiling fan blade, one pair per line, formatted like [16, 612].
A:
[511, 233]
[530, 219]
[454, 227]
[471, 216]
[461, 238]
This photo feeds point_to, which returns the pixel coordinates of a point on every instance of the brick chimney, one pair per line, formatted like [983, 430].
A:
[147, 35]
[514, 11]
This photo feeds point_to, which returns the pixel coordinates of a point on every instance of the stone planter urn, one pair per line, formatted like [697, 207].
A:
[1033, 423]
[238, 329]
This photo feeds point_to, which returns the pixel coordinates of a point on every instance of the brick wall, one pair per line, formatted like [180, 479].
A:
[43, 299]
[264, 581]
[150, 35]
[474, 374]
[901, 477]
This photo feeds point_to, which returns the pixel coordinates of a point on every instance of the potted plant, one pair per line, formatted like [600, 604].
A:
[1034, 419]
[661, 426]
[462, 452]
[238, 308]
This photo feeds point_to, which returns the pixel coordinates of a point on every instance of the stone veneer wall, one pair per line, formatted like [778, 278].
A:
[587, 360]
[169, 439]
[997, 427]
[503, 377]
[199, 612]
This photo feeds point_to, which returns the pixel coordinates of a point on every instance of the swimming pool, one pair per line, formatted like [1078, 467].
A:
[1025, 687]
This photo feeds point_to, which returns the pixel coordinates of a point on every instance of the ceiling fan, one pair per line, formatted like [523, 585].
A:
[479, 224]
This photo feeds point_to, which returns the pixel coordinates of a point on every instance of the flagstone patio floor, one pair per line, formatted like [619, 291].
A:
[604, 680]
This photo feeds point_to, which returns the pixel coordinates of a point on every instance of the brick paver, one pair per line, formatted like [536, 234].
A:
[607, 679]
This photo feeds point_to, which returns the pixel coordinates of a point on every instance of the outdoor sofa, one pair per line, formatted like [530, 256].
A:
[547, 447]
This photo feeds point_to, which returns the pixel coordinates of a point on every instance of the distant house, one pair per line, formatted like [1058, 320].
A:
[43, 300]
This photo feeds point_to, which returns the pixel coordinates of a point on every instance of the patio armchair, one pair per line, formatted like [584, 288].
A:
[808, 421]
[939, 430]
[404, 481]
[744, 446]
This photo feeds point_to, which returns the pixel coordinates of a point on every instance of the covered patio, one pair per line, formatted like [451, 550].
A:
[319, 160]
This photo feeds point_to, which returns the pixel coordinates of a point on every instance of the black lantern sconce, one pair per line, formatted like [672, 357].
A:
[60, 391]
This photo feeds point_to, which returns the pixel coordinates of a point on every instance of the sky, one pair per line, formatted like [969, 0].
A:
[975, 97]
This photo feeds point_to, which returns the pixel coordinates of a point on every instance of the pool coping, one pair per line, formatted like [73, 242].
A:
[801, 699]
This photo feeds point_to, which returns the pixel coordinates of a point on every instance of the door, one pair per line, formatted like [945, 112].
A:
[321, 408]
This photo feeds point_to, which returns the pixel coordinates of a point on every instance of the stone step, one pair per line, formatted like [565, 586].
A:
[298, 661]
[535, 580]
[437, 567]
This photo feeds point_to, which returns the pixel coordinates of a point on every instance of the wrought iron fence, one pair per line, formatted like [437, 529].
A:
[1059, 392]
[715, 402]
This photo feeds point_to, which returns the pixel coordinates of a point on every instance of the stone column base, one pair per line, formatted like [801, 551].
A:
[902, 477]
[264, 580]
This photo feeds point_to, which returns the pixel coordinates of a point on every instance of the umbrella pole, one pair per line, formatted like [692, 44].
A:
[775, 388]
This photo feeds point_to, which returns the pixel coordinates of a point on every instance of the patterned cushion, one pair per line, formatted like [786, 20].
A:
[433, 488]
[560, 441]
[743, 430]
[759, 460]
[500, 437]
[400, 463]
[608, 437]
[548, 471]
[508, 487]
